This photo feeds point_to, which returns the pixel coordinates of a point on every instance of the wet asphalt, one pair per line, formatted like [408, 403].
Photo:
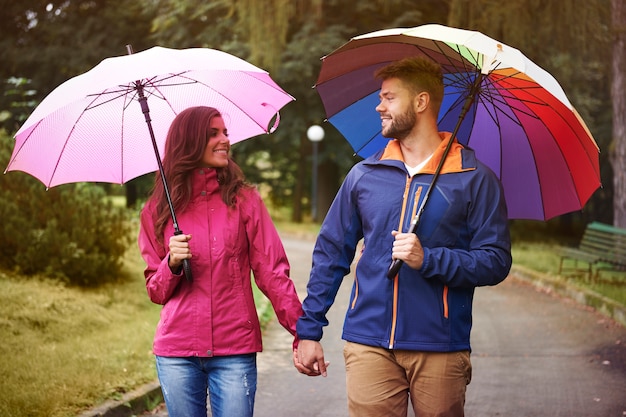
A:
[534, 354]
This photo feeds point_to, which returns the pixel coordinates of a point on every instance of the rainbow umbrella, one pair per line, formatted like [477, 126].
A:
[514, 114]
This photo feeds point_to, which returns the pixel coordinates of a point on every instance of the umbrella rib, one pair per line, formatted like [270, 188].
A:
[428, 52]
[154, 85]
[501, 105]
[156, 88]
[500, 92]
[65, 142]
[123, 114]
[489, 95]
[505, 104]
[466, 69]
[231, 101]
[356, 152]
[123, 90]
[121, 93]
[18, 151]
[465, 81]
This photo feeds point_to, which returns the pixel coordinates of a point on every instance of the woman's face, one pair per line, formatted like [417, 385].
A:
[218, 145]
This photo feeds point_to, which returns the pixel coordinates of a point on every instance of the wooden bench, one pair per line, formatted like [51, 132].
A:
[602, 246]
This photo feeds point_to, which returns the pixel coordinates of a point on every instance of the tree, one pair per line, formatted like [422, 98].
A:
[618, 94]
[49, 42]
[59, 40]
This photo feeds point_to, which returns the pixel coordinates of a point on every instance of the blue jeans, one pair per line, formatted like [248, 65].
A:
[229, 381]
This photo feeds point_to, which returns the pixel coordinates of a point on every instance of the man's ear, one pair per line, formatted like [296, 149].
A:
[421, 101]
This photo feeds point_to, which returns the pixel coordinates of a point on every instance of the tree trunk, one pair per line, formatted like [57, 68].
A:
[131, 194]
[296, 214]
[328, 186]
[618, 89]
[458, 15]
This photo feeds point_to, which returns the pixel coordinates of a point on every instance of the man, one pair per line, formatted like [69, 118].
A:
[407, 337]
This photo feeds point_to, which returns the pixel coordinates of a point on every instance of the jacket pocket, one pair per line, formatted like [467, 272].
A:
[244, 301]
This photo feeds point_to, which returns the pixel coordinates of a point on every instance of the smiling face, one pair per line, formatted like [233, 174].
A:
[218, 145]
[396, 109]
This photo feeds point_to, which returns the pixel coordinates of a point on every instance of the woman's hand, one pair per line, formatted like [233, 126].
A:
[179, 251]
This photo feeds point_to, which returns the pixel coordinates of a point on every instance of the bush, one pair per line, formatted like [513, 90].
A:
[71, 232]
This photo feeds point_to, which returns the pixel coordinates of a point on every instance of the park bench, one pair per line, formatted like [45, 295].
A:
[602, 246]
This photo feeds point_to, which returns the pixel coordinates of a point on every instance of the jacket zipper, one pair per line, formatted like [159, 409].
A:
[394, 312]
[445, 301]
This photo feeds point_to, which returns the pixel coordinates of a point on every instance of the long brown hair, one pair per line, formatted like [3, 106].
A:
[186, 141]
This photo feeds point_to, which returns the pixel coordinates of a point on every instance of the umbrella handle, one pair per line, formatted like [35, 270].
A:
[394, 268]
[186, 263]
[396, 264]
[187, 270]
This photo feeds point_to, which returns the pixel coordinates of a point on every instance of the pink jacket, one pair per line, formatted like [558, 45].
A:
[215, 315]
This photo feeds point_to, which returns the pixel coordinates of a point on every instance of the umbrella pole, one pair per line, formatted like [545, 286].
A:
[143, 101]
[474, 90]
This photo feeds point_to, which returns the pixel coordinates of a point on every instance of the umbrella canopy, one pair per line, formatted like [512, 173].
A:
[91, 128]
[520, 122]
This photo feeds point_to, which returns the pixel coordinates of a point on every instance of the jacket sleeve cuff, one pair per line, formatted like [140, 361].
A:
[427, 261]
[305, 331]
[178, 270]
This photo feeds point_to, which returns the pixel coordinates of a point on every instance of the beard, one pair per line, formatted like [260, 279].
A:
[401, 125]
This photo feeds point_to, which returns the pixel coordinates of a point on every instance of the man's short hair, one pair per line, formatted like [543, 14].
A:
[418, 74]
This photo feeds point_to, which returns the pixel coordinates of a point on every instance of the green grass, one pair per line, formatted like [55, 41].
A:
[64, 350]
[539, 257]
[544, 258]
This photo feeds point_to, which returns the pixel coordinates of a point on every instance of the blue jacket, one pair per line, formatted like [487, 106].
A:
[464, 232]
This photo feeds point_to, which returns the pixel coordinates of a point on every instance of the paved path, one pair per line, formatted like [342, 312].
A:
[282, 391]
[535, 354]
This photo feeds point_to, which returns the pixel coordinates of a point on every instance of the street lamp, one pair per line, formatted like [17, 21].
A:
[315, 134]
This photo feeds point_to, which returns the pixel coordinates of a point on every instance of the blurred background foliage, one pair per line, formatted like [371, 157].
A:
[73, 232]
[46, 42]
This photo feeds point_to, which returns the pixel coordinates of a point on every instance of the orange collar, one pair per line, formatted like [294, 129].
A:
[453, 162]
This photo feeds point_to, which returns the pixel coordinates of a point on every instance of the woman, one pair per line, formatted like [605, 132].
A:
[208, 335]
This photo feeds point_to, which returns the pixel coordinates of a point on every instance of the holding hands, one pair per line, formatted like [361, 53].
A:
[308, 358]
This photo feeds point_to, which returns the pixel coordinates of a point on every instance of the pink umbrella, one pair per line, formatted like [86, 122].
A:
[90, 129]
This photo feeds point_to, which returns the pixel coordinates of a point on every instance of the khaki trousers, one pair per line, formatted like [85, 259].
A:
[381, 381]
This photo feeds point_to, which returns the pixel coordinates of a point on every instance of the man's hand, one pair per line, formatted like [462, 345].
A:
[407, 248]
[309, 358]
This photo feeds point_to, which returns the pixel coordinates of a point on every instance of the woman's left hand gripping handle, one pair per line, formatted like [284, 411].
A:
[180, 253]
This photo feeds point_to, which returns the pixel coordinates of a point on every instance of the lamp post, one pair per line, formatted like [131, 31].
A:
[315, 134]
